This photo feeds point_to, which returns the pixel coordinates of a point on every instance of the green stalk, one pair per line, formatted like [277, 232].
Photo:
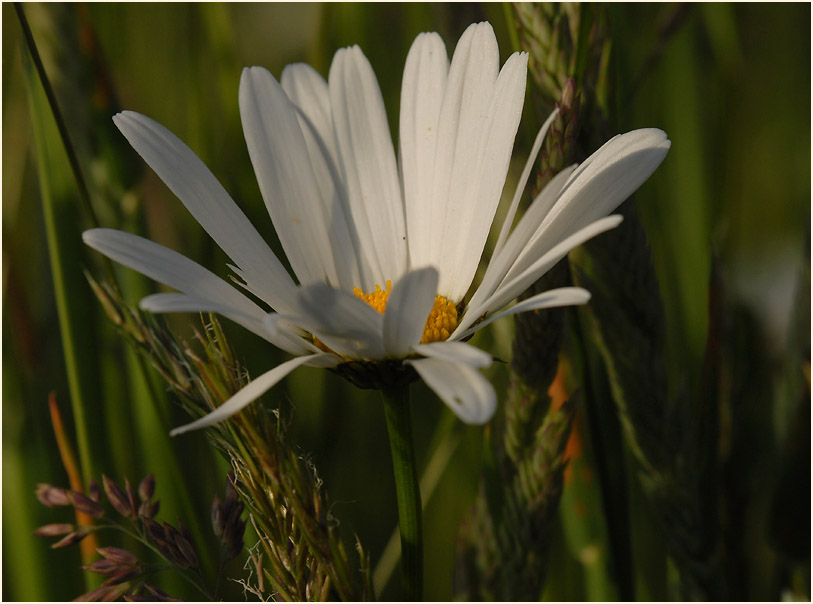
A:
[71, 301]
[605, 438]
[508, 12]
[447, 435]
[62, 235]
[407, 490]
[73, 159]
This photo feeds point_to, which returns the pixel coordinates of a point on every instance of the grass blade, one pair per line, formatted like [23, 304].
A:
[72, 299]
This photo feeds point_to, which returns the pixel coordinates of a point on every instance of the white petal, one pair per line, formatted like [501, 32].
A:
[523, 180]
[603, 181]
[422, 90]
[173, 302]
[514, 285]
[168, 267]
[256, 388]
[203, 291]
[456, 351]
[308, 91]
[240, 279]
[564, 296]
[368, 165]
[341, 321]
[544, 236]
[206, 199]
[471, 76]
[472, 206]
[408, 307]
[310, 219]
[505, 257]
[280, 328]
[462, 387]
[529, 227]
[469, 89]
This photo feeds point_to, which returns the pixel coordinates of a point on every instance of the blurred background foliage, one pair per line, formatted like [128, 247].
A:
[727, 216]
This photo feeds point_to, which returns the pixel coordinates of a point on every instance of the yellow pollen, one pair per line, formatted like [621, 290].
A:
[440, 323]
[376, 299]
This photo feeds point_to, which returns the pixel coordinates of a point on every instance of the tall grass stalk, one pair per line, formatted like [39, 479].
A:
[53, 106]
[62, 235]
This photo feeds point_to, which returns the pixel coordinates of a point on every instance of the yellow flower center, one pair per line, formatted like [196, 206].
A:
[440, 323]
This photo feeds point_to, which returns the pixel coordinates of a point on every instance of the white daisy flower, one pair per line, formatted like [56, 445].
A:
[383, 250]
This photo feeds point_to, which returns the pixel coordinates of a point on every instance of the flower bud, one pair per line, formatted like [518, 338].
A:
[105, 593]
[117, 498]
[93, 490]
[102, 567]
[51, 496]
[149, 509]
[147, 487]
[84, 504]
[131, 497]
[72, 538]
[118, 555]
[53, 530]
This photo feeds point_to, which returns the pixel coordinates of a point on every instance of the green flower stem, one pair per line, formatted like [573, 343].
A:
[399, 426]
[447, 435]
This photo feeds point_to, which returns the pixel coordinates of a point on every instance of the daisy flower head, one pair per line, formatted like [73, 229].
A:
[383, 247]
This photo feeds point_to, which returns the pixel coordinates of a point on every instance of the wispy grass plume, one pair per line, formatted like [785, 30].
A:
[300, 556]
